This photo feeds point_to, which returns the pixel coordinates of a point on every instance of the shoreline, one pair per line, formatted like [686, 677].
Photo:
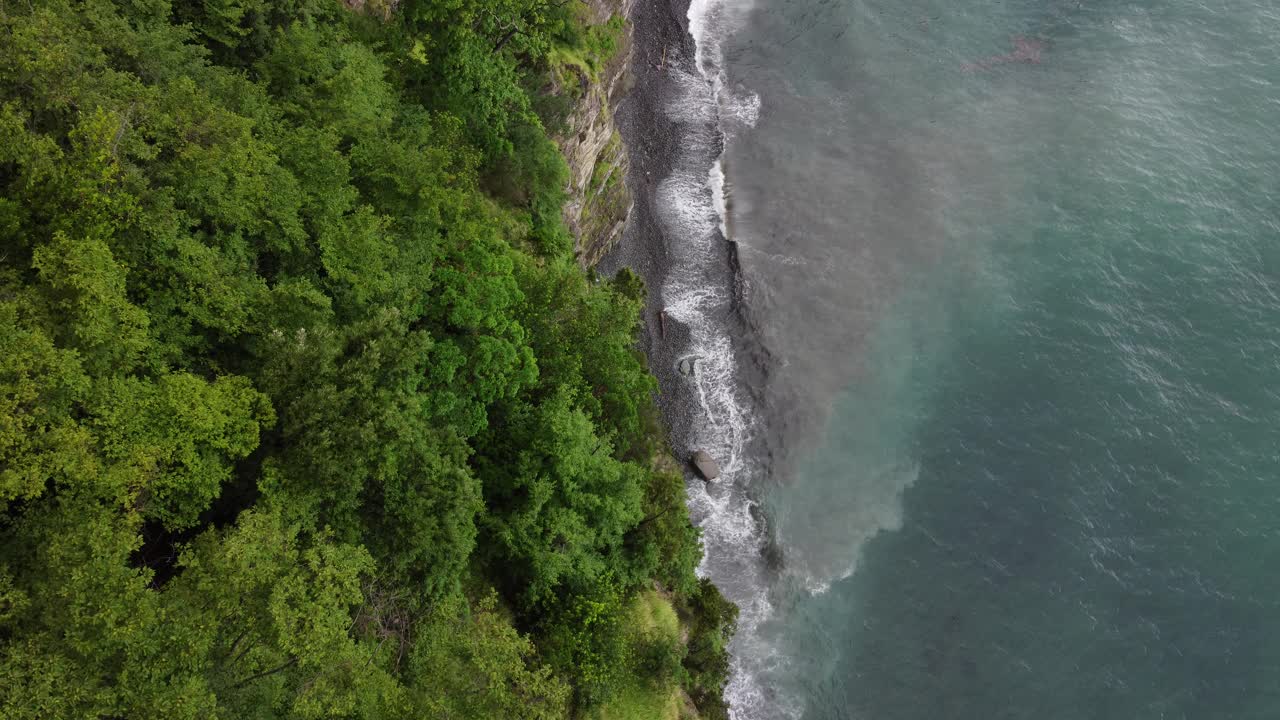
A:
[651, 138]
[696, 335]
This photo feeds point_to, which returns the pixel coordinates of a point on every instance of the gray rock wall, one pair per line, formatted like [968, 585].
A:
[599, 202]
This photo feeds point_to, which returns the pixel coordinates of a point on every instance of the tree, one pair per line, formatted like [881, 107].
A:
[712, 620]
[290, 376]
[85, 289]
[170, 444]
[41, 387]
[585, 637]
[277, 612]
[470, 663]
[584, 337]
[559, 503]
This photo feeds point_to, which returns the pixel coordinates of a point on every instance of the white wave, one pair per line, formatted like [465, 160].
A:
[689, 214]
[743, 109]
[694, 104]
[699, 13]
[716, 180]
[710, 23]
[694, 206]
[748, 249]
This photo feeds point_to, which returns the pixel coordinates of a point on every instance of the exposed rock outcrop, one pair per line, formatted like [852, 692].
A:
[599, 202]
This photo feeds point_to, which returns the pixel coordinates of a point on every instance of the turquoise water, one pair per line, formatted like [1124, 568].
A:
[1024, 417]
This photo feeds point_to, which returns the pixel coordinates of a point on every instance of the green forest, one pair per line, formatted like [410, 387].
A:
[307, 409]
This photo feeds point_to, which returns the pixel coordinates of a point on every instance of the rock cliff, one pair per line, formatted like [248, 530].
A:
[598, 202]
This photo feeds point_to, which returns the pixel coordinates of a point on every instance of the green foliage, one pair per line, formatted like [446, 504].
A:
[711, 620]
[84, 289]
[583, 335]
[665, 545]
[651, 690]
[468, 54]
[559, 503]
[585, 638]
[534, 176]
[171, 442]
[258, 618]
[585, 50]
[295, 365]
[655, 640]
[84, 614]
[470, 663]
[278, 610]
[40, 440]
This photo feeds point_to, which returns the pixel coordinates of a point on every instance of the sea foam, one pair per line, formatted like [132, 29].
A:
[698, 293]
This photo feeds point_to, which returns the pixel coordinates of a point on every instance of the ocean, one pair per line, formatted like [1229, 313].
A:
[979, 305]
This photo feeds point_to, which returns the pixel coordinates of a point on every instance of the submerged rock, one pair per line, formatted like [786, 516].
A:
[705, 465]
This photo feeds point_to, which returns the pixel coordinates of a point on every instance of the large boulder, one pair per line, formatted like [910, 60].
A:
[705, 465]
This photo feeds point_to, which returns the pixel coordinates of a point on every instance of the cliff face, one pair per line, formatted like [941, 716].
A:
[599, 202]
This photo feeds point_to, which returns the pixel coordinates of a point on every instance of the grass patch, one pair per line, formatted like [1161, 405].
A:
[654, 614]
[582, 52]
[639, 701]
[652, 618]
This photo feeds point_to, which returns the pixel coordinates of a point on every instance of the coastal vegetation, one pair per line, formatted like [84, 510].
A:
[306, 408]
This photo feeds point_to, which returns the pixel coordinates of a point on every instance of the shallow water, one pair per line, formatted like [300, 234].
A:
[1013, 414]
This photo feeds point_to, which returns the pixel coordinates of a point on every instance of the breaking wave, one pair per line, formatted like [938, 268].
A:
[698, 292]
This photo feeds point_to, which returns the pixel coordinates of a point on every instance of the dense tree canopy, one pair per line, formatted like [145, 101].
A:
[306, 409]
